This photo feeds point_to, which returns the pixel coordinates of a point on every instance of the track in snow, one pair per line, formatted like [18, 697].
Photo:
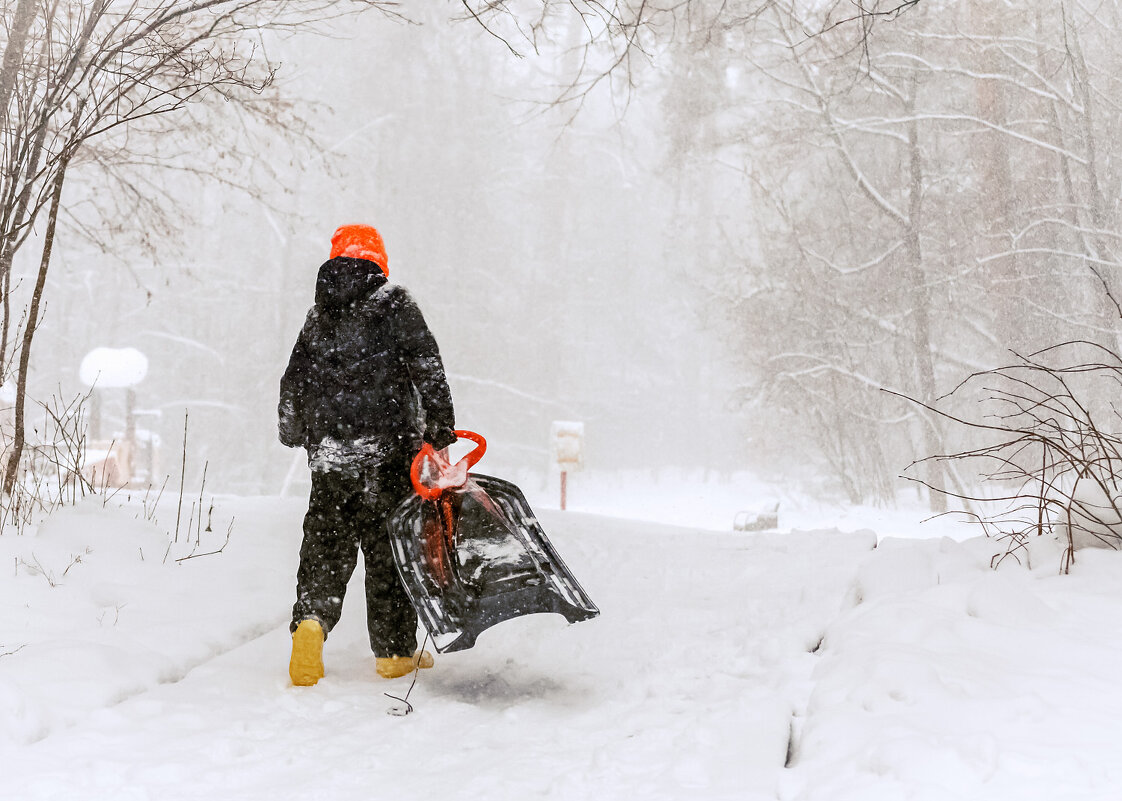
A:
[691, 681]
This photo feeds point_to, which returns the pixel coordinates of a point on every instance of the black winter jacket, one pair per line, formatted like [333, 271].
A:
[365, 366]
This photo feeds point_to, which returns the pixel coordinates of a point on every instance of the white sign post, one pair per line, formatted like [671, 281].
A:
[567, 445]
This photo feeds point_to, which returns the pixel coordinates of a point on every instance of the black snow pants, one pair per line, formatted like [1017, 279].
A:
[348, 511]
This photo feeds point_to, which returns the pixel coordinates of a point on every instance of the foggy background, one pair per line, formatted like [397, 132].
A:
[715, 258]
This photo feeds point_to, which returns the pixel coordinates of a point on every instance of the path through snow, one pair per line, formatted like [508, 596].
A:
[686, 683]
[797, 666]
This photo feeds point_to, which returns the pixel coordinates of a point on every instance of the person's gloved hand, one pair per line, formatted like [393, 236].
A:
[440, 438]
[292, 434]
[290, 426]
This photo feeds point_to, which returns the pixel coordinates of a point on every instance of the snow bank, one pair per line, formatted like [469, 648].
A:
[946, 679]
[97, 609]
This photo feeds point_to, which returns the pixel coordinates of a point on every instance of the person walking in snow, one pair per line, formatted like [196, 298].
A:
[364, 388]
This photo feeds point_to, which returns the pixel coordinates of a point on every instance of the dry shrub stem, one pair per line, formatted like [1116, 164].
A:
[1050, 462]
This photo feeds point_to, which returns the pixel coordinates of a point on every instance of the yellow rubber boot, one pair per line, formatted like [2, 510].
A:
[306, 666]
[392, 667]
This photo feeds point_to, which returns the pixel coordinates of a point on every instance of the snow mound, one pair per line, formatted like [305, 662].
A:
[952, 680]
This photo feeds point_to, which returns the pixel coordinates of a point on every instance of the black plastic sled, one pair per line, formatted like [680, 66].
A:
[471, 553]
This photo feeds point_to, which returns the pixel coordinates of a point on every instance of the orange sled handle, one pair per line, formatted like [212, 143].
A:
[431, 493]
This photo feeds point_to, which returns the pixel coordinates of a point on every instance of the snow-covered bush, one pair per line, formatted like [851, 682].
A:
[51, 472]
[1048, 458]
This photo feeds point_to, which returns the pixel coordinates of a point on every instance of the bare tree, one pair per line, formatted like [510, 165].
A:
[77, 73]
[921, 204]
[613, 40]
[80, 82]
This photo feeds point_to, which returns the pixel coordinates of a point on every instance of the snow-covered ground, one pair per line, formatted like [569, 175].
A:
[795, 665]
[712, 500]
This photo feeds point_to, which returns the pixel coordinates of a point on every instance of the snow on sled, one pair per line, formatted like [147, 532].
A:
[471, 553]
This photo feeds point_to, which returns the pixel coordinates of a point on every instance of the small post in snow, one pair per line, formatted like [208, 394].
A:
[567, 444]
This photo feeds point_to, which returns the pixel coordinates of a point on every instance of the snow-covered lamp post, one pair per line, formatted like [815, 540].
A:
[567, 445]
[108, 368]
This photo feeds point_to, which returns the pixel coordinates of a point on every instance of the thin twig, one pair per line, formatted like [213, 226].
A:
[229, 531]
[182, 477]
[13, 653]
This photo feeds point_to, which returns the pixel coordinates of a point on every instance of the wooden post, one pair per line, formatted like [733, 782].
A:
[130, 416]
[130, 433]
[95, 414]
[566, 445]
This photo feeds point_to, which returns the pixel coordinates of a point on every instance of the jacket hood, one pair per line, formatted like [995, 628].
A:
[343, 281]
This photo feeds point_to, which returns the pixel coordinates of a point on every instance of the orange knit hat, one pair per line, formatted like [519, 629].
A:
[360, 242]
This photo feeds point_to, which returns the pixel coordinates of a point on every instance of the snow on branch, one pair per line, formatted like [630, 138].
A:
[874, 262]
[1066, 254]
[834, 129]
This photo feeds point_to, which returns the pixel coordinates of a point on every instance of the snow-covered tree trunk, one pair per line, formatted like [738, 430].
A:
[917, 280]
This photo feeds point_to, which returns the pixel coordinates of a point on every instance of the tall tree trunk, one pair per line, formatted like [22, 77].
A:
[1110, 300]
[924, 363]
[13, 217]
[9, 69]
[13, 52]
[24, 215]
[1004, 281]
[23, 210]
[11, 470]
